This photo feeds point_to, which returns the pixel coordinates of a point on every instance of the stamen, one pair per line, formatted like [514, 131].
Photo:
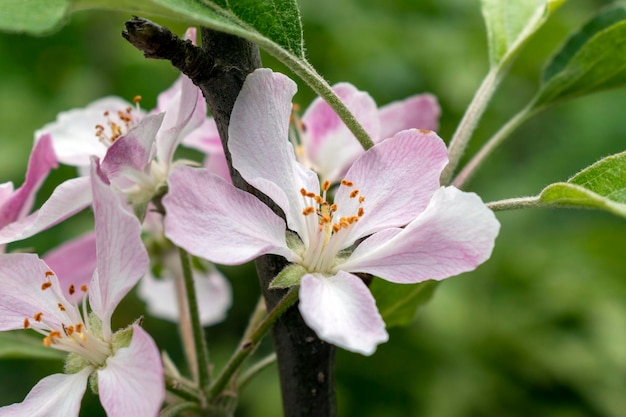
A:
[49, 274]
[303, 192]
[326, 185]
[308, 210]
[38, 316]
[26, 323]
[61, 307]
[136, 99]
[354, 193]
[72, 289]
[83, 288]
[46, 285]
[361, 212]
[361, 199]
[347, 183]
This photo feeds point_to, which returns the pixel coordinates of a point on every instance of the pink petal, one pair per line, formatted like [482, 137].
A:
[342, 311]
[259, 146]
[185, 111]
[42, 160]
[417, 112]
[132, 382]
[57, 395]
[330, 144]
[397, 177]
[74, 132]
[212, 290]
[74, 261]
[121, 257]
[205, 138]
[455, 234]
[67, 199]
[212, 219]
[21, 279]
[130, 154]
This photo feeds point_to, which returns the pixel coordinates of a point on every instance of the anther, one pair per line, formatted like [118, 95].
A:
[26, 323]
[49, 274]
[61, 307]
[136, 99]
[303, 192]
[354, 193]
[326, 185]
[72, 289]
[83, 288]
[308, 210]
[38, 316]
[46, 285]
[361, 199]
[319, 199]
[347, 183]
[361, 212]
[333, 207]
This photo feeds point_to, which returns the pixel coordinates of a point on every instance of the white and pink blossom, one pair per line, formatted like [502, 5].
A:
[389, 217]
[127, 363]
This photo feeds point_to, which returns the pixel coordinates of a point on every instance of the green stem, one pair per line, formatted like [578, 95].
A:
[468, 123]
[202, 353]
[515, 203]
[255, 369]
[181, 389]
[495, 141]
[247, 348]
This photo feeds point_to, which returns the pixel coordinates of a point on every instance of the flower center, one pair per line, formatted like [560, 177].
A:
[118, 123]
[327, 230]
[69, 331]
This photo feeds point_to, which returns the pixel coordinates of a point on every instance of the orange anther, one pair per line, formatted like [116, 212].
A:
[83, 288]
[347, 183]
[38, 316]
[72, 289]
[26, 323]
[136, 99]
[361, 199]
[308, 210]
[354, 193]
[361, 212]
[326, 185]
[46, 285]
[61, 307]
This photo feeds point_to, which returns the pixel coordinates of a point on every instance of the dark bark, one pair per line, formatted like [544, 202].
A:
[219, 68]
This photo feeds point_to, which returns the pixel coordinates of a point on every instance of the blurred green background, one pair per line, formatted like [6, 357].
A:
[539, 330]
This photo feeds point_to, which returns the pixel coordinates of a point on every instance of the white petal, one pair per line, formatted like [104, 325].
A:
[455, 234]
[132, 382]
[57, 395]
[260, 148]
[121, 256]
[67, 199]
[342, 311]
[212, 219]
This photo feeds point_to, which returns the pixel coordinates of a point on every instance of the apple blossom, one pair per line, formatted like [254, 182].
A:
[124, 366]
[389, 217]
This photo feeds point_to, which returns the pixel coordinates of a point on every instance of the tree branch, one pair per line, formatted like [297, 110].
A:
[219, 69]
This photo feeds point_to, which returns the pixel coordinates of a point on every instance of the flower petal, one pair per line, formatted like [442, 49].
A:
[342, 311]
[212, 219]
[57, 395]
[67, 199]
[121, 256]
[396, 177]
[22, 295]
[455, 234]
[212, 291]
[128, 157]
[74, 131]
[330, 145]
[42, 160]
[74, 262]
[132, 382]
[260, 148]
[185, 110]
[421, 111]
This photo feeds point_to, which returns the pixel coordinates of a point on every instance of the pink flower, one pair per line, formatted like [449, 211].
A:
[389, 217]
[125, 364]
[324, 143]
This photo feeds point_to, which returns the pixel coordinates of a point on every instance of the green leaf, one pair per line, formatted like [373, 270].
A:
[601, 186]
[593, 59]
[32, 16]
[22, 345]
[398, 303]
[510, 23]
